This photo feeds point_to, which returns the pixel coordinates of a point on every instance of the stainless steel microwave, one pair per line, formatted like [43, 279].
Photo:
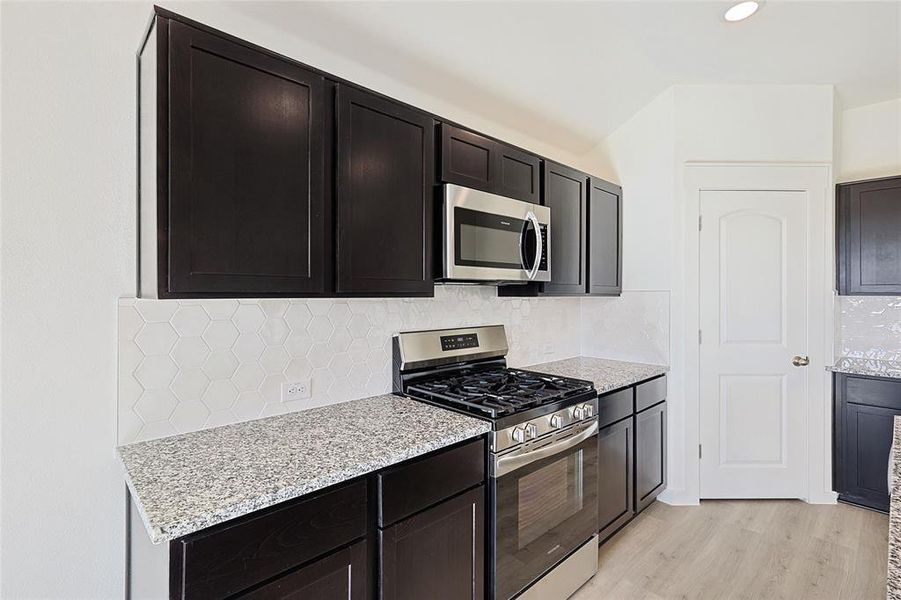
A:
[487, 237]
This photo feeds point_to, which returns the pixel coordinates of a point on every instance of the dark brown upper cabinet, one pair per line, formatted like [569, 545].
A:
[261, 176]
[384, 196]
[474, 161]
[586, 236]
[868, 231]
[239, 135]
[605, 238]
[566, 194]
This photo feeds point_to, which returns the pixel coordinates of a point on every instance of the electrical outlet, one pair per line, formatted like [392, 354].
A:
[296, 390]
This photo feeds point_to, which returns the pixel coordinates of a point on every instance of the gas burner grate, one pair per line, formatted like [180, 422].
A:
[496, 392]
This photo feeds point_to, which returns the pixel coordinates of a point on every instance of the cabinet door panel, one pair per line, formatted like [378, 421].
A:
[565, 194]
[615, 477]
[437, 554]
[236, 555]
[467, 158]
[384, 197]
[474, 161]
[518, 175]
[338, 576]
[246, 202]
[867, 439]
[869, 232]
[605, 221]
[650, 455]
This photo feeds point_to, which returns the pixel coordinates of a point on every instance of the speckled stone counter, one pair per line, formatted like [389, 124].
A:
[606, 374]
[894, 519]
[188, 482]
[867, 366]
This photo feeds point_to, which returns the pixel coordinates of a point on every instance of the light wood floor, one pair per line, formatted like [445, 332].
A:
[745, 549]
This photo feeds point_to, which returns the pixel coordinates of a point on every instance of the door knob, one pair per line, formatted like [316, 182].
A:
[800, 361]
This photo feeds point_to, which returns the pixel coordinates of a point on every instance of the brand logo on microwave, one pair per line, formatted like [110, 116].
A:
[505, 223]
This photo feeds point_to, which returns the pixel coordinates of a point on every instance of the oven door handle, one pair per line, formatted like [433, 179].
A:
[539, 244]
[507, 464]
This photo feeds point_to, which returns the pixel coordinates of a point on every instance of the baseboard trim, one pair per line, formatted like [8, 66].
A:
[678, 498]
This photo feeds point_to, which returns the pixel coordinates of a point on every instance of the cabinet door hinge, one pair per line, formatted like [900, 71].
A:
[700, 452]
[699, 336]
[700, 222]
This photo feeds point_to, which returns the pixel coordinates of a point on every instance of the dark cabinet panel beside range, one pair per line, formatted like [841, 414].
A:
[631, 452]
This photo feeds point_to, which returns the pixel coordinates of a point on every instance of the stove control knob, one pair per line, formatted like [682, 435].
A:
[518, 434]
[531, 431]
[583, 411]
[556, 421]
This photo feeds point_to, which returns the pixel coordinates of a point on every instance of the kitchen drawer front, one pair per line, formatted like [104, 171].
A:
[408, 489]
[615, 407]
[338, 576]
[650, 393]
[871, 392]
[232, 557]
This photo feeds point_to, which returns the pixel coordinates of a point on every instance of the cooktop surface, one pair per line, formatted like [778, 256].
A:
[496, 391]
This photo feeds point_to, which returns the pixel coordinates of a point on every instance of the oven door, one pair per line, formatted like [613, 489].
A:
[493, 238]
[545, 501]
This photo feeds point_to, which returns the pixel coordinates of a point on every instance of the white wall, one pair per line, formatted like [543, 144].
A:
[68, 159]
[640, 155]
[647, 155]
[67, 253]
[870, 142]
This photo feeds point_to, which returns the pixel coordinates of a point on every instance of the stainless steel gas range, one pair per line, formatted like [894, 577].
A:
[543, 454]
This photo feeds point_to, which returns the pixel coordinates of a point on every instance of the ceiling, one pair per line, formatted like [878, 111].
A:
[569, 73]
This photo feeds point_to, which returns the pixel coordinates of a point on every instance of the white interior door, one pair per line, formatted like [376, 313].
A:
[753, 314]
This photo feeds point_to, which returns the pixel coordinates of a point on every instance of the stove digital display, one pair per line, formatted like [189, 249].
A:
[459, 342]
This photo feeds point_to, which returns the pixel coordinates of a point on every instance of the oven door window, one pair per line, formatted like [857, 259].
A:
[487, 240]
[544, 511]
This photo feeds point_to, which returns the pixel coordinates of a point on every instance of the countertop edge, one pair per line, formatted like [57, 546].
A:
[866, 367]
[159, 534]
[647, 371]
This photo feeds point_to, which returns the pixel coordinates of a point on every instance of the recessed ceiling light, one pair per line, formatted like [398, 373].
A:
[742, 10]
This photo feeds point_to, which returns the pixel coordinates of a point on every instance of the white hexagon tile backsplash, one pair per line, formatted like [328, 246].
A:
[186, 365]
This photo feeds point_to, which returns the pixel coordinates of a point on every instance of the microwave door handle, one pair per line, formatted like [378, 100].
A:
[507, 464]
[539, 245]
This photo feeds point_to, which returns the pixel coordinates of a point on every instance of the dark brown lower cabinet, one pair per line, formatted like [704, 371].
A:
[418, 526]
[650, 455]
[864, 412]
[338, 576]
[615, 476]
[438, 553]
[238, 555]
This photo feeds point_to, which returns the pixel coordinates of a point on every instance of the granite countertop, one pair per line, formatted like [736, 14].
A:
[185, 483]
[607, 375]
[867, 366]
[894, 518]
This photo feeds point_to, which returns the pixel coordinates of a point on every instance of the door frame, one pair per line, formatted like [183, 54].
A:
[814, 179]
